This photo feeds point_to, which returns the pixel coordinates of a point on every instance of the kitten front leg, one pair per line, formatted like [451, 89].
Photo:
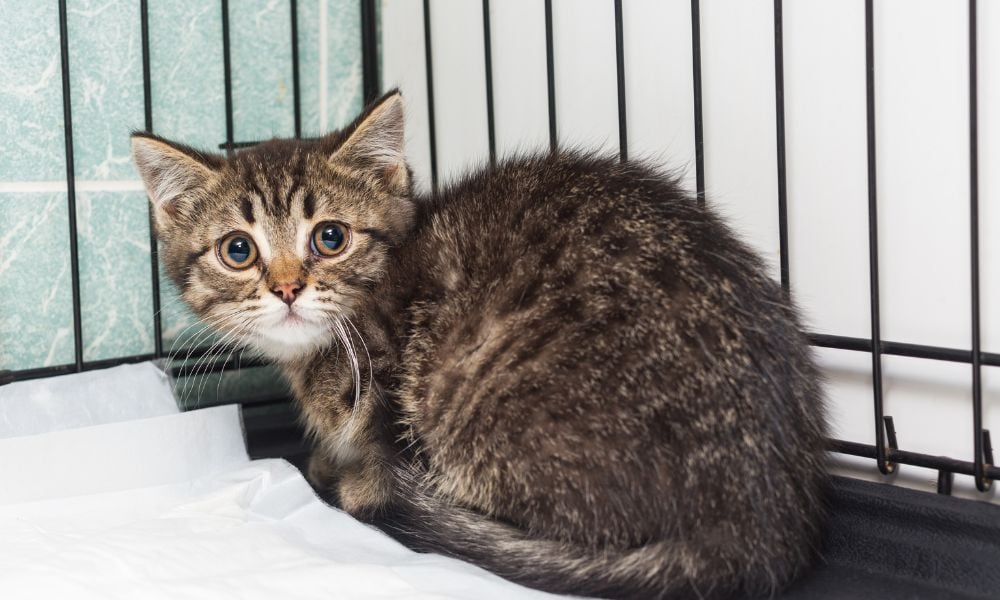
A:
[323, 474]
[360, 487]
[353, 435]
[365, 487]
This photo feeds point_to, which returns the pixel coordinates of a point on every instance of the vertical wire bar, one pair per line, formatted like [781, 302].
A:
[227, 77]
[876, 345]
[70, 187]
[779, 108]
[620, 60]
[699, 135]
[296, 90]
[488, 57]
[369, 50]
[428, 58]
[154, 254]
[944, 482]
[982, 483]
[550, 73]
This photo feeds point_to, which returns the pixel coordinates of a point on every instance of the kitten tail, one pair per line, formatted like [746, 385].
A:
[658, 570]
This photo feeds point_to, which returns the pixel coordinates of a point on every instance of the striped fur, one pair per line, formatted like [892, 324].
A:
[563, 368]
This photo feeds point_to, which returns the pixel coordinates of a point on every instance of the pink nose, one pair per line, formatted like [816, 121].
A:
[287, 292]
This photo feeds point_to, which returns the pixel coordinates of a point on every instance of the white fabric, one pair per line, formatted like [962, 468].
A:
[110, 395]
[171, 507]
[120, 456]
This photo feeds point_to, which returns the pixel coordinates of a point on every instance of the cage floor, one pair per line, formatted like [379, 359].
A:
[889, 542]
[881, 541]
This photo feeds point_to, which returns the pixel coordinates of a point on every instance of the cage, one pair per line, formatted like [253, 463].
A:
[850, 142]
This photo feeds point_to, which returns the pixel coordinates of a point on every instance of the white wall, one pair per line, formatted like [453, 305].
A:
[922, 155]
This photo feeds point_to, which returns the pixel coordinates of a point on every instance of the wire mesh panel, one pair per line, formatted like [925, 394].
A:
[441, 137]
[885, 451]
[181, 70]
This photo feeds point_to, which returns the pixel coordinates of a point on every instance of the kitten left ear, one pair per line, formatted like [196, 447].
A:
[172, 173]
[376, 142]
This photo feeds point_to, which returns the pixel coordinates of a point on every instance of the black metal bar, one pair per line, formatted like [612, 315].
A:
[883, 465]
[74, 258]
[779, 109]
[944, 481]
[276, 401]
[941, 353]
[252, 143]
[147, 93]
[369, 50]
[233, 360]
[890, 433]
[838, 342]
[154, 252]
[987, 447]
[982, 483]
[296, 90]
[56, 370]
[550, 75]
[488, 57]
[428, 58]
[620, 65]
[227, 74]
[916, 459]
[699, 131]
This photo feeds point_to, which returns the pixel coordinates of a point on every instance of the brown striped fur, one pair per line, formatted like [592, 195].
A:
[568, 371]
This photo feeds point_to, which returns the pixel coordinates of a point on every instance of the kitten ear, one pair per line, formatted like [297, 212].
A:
[375, 141]
[170, 172]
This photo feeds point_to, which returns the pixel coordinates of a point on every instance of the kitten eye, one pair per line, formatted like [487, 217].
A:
[330, 238]
[237, 251]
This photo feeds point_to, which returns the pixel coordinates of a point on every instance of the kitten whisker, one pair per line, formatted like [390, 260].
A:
[371, 375]
[352, 357]
[213, 321]
[217, 349]
[206, 328]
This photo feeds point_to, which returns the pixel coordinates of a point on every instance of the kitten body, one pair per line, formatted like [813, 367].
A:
[563, 368]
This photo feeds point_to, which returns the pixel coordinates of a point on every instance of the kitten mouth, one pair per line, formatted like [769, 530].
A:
[290, 334]
[292, 318]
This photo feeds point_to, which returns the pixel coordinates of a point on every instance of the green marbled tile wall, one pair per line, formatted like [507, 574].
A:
[115, 284]
[35, 299]
[342, 94]
[30, 93]
[106, 92]
[261, 53]
[187, 82]
[106, 86]
[36, 309]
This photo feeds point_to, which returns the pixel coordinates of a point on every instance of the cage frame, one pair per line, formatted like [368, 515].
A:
[885, 452]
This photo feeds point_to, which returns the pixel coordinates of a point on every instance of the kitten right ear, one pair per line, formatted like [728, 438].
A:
[170, 172]
[375, 141]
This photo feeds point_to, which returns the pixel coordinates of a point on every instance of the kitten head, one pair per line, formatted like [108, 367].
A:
[277, 244]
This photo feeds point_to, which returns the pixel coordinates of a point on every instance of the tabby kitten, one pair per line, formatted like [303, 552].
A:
[563, 369]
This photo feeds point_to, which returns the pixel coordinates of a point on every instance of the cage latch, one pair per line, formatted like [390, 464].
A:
[985, 483]
[889, 467]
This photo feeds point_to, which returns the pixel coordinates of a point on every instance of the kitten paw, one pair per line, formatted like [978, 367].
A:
[363, 492]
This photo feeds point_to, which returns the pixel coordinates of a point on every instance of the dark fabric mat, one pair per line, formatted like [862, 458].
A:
[888, 542]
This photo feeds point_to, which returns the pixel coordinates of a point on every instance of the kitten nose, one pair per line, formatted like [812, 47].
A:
[287, 292]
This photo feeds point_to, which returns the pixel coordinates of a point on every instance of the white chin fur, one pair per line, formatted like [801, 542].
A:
[291, 341]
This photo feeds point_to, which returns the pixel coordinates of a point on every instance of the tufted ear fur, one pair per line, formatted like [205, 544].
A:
[375, 141]
[172, 173]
